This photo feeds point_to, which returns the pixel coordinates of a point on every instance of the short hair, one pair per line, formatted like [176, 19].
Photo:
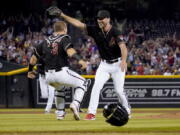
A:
[59, 26]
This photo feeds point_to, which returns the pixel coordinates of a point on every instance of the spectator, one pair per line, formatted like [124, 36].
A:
[157, 51]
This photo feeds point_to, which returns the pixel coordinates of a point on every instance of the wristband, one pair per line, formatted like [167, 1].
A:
[31, 67]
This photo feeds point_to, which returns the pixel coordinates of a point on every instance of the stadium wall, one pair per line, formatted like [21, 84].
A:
[17, 91]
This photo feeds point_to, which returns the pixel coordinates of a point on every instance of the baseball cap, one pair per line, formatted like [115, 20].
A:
[103, 14]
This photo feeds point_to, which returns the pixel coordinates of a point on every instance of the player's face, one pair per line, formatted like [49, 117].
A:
[102, 22]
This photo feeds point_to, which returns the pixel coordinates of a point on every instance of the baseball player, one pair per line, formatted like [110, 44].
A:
[47, 91]
[55, 51]
[113, 52]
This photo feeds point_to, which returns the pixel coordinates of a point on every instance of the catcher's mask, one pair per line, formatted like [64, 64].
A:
[115, 114]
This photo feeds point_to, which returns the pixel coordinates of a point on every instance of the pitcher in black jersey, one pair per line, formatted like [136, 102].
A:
[113, 52]
[55, 51]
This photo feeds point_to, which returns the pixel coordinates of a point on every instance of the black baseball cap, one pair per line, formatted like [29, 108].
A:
[103, 14]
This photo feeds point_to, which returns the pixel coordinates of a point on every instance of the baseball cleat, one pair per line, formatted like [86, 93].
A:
[60, 115]
[75, 109]
[90, 116]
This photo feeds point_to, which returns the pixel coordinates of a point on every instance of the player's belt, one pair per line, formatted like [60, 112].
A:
[111, 61]
[54, 70]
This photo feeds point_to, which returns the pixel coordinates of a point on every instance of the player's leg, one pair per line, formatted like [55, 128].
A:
[50, 98]
[43, 86]
[55, 79]
[101, 78]
[118, 80]
[70, 78]
[60, 102]
[80, 84]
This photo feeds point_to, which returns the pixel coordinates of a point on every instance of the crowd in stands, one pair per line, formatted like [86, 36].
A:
[153, 45]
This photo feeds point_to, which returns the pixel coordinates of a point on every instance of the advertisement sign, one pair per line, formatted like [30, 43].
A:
[140, 93]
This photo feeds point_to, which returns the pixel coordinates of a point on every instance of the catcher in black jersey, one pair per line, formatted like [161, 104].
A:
[113, 52]
[55, 51]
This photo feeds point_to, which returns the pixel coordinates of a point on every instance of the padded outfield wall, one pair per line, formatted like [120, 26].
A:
[17, 91]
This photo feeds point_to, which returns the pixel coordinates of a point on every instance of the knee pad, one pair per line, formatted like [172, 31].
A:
[60, 100]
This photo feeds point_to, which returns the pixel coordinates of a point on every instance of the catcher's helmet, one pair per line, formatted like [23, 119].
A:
[115, 114]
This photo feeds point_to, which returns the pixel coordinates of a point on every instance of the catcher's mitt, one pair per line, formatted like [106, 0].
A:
[54, 11]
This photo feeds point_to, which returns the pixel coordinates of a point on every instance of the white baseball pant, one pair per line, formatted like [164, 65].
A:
[103, 73]
[47, 91]
[67, 77]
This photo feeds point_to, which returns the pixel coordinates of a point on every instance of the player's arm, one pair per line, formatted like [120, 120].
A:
[124, 53]
[32, 63]
[73, 54]
[73, 21]
[37, 51]
[122, 45]
[58, 12]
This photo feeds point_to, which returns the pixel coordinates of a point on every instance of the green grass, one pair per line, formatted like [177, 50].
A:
[46, 124]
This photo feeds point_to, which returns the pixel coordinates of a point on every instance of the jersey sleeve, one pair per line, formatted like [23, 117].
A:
[37, 50]
[66, 42]
[119, 36]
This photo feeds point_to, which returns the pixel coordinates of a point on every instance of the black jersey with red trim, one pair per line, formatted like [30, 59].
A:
[53, 51]
[107, 42]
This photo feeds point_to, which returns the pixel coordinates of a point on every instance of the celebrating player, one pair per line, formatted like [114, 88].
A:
[55, 51]
[113, 52]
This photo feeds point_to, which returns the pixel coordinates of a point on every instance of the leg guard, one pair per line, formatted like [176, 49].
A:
[60, 99]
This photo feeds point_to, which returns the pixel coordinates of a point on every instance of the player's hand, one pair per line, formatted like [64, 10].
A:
[83, 64]
[54, 11]
[123, 66]
[31, 74]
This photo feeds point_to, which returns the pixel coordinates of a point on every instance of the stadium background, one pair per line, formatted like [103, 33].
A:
[152, 31]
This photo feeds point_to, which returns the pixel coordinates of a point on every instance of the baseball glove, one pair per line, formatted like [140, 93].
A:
[54, 11]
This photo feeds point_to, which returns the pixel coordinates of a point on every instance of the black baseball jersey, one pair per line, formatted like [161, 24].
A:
[107, 43]
[53, 51]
